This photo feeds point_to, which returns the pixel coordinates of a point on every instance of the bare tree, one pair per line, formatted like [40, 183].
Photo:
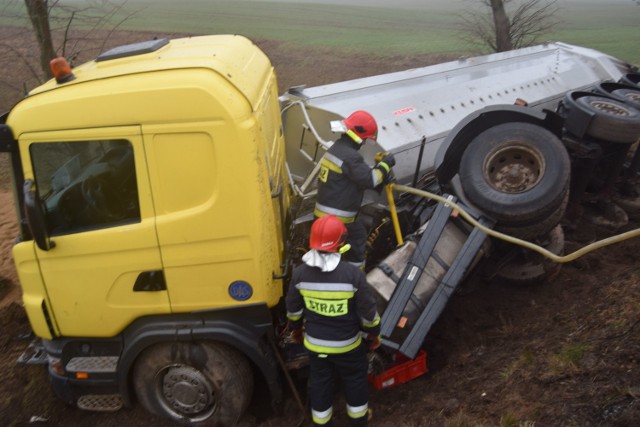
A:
[503, 25]
[98, 20]
[38, 12]
[43, 29]
[64, 30]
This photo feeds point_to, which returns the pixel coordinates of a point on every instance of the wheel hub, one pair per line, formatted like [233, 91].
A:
[514, 169]
[609, 108]
[634, 97]
[186, 390]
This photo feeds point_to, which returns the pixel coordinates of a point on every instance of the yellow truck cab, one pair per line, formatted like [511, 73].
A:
[162, 191]
[154, 190]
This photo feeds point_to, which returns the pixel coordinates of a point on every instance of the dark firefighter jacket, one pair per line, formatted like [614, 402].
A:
[336, 305]
[343, 177]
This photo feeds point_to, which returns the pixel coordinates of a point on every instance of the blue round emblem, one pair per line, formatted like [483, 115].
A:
[240, 290]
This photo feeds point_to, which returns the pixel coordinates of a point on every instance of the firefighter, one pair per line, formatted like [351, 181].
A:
[333, 299]
[344, 176]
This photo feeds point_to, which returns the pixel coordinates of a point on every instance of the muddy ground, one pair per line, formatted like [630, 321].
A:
[560, 353]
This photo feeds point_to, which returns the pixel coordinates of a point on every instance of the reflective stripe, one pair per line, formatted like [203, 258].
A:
[385, 166]
[354, 136]
[359, 264]
[337, 212]
[330, 343]
[329, 291]
[331, 347]
[376, 176]
[357, 411]
[329, 163]
[331, 166]
[321, 417]
[329, 295]
[371, 323]
[333, 159]
[325, 286]
[295, 316]
[344, 220]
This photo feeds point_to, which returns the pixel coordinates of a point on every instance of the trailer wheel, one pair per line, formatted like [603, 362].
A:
[517, 173]
[524, 267]
[194, 383]
[614, 121]
[630, 96]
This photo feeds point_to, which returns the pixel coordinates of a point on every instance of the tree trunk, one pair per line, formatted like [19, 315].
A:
[39, 16]
[503, 26]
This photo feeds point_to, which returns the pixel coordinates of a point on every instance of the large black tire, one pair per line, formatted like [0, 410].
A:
[517, 173]
[614, 121]
[525, 267]
[630, 96]
[537, 228]
[194, 383]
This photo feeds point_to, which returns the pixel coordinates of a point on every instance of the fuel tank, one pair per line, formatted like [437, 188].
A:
[384, 278]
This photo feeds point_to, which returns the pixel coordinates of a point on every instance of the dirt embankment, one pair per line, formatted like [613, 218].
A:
[561, 353]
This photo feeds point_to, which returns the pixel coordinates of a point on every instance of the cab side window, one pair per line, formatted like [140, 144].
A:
[86, 185]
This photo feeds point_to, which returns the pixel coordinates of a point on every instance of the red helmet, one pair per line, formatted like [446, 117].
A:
[328, 234]
[362, 124]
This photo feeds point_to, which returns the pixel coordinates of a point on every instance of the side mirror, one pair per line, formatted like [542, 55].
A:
[35, 217]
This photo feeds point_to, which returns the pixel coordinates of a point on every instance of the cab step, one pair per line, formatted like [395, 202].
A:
[100, 402]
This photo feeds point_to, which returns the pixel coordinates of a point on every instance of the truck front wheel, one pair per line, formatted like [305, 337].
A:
[194, 383]
[517, 173]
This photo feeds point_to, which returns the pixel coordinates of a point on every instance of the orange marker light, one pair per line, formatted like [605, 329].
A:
[61, 70]
[82, 375]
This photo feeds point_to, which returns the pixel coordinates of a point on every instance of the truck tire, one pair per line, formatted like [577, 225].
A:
[614, 121]
[525, 267]
[528, 231]
[194, 383]
[629, 96]
[517, 173]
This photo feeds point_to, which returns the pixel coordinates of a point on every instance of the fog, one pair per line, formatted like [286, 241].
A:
[397, 4]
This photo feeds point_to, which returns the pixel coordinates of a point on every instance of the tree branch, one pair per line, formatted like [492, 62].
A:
[26, 62]
[526, 21]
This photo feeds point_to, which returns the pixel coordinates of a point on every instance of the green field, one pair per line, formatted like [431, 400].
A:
[612, 27]
[380, 27]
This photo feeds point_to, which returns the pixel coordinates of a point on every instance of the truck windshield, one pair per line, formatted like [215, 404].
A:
[86, 184]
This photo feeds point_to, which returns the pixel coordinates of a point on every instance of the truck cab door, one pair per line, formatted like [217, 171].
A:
[104, 268]
[274, 151]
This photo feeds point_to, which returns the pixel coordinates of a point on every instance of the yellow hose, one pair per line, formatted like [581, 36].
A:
[556, 258]
[394, 213]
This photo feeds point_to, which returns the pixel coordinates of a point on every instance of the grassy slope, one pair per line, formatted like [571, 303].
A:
[613, 28]
[376, 27]
[369, 30]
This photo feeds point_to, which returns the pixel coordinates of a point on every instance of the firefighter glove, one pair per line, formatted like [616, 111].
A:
[373, 341]
[297, 335]
[390, 177]
[387, 173]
